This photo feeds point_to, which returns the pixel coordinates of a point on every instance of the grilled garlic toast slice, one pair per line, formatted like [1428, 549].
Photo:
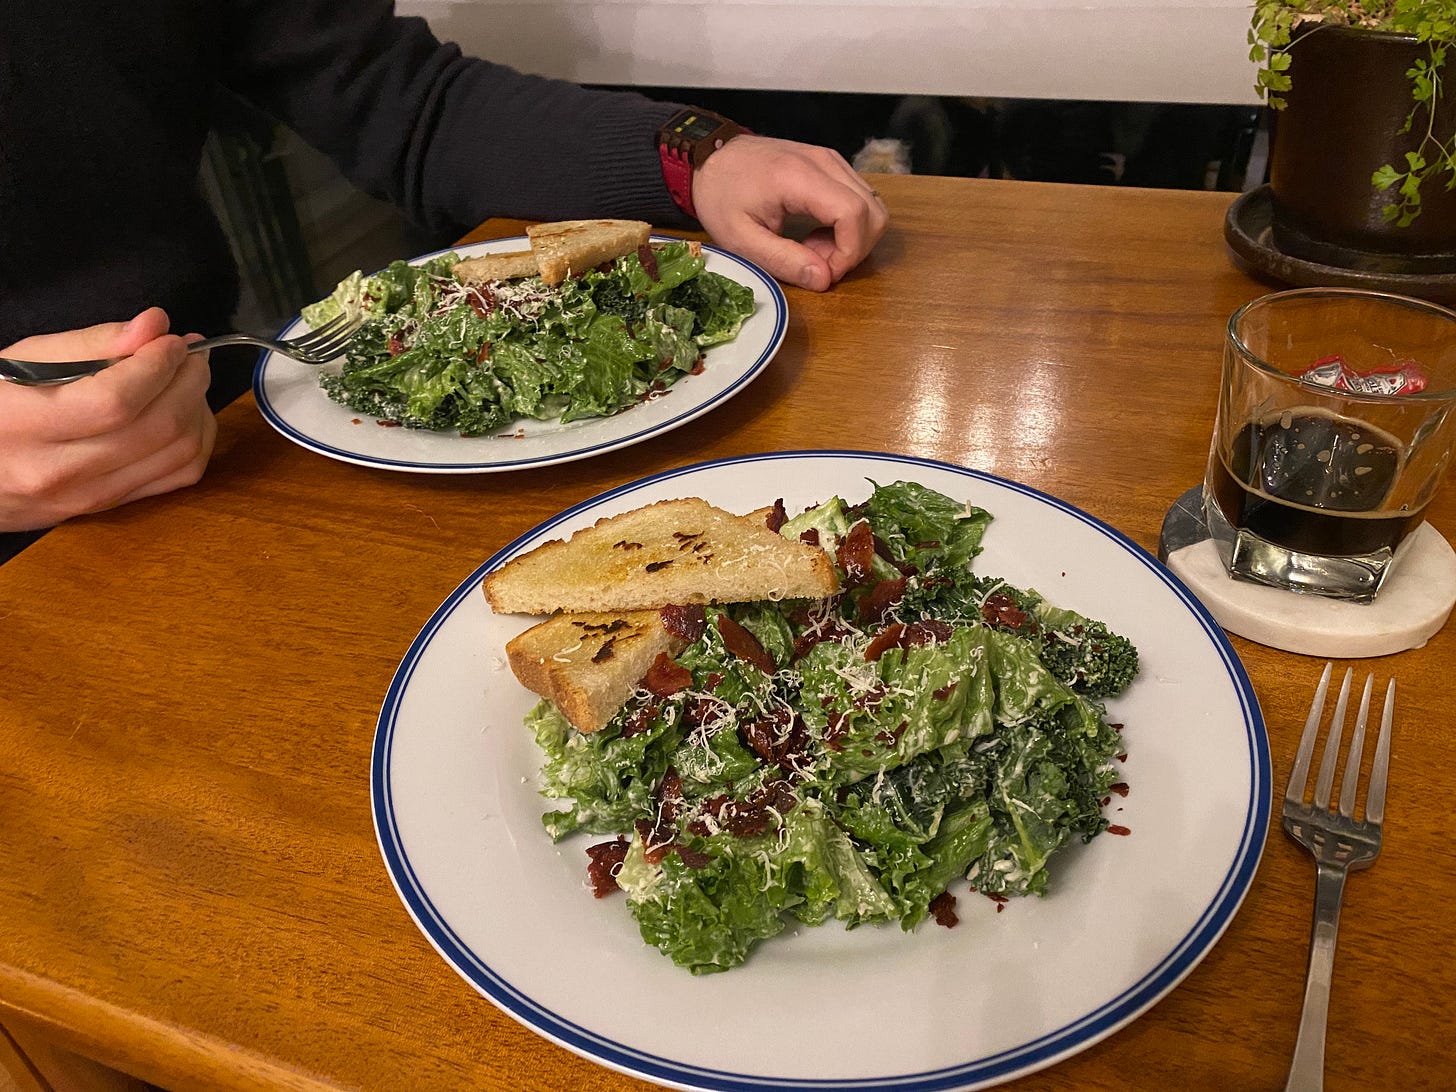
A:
[589, 664]
[568, 247]
[679, 552]
[496, 267]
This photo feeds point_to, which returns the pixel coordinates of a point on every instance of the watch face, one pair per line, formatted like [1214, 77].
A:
[695, 126]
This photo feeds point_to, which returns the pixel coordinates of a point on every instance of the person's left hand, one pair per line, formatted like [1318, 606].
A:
[749, 187]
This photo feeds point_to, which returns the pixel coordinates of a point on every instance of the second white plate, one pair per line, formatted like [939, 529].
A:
[291, 400]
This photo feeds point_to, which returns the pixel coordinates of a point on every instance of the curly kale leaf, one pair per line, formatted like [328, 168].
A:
[614, 296]
[1088, 656]
[1081, 652]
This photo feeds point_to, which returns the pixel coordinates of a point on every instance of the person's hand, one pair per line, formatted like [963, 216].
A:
[749, 187]
[138, 428]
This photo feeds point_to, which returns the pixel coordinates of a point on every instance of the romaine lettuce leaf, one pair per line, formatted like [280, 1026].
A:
[828, 521]
[879, 715]
[707, 918]
[608, 779]
[346, 299]
[919, 523]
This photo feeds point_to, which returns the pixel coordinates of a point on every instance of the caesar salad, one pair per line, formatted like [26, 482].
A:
[924, 731]
[444, 354]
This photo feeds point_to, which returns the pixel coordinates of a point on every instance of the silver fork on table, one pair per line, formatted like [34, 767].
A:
[1338, 842]
[314, 347]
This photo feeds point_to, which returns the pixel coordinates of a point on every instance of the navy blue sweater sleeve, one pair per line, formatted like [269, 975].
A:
[449, 139]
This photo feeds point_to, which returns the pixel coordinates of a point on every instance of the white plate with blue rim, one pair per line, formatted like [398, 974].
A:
[291, 400]
[1010, 989]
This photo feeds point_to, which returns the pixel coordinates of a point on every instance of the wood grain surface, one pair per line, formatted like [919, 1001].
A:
[190, 887]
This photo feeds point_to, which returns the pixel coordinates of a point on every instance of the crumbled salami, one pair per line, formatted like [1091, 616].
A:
[666, 677]
[686, 622]
[745, 645]
[606, 862]
[942, 909]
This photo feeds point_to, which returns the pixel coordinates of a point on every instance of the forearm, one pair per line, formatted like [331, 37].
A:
[450, 140]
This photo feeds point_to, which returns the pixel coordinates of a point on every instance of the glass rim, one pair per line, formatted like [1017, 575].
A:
[1445, 394]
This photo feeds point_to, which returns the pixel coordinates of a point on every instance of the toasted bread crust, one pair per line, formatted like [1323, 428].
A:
[671, 552]
[496, 267]
[555, 244]
[568, 247]
[589, 664]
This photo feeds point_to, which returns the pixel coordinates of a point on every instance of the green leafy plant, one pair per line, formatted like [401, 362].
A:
[1433, 22]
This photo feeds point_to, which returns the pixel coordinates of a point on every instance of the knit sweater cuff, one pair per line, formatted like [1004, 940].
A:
[626, 162]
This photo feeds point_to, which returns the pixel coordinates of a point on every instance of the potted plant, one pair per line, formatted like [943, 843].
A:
[1362, 166]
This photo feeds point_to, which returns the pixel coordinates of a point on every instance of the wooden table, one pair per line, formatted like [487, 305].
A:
[190, 889]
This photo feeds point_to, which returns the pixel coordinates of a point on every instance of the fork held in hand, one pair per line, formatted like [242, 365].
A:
[1338, 842]
[314, 347]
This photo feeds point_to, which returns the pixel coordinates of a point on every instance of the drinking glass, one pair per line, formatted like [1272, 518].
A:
[1334, 431]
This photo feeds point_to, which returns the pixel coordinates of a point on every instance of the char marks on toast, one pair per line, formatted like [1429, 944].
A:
[569, 247]
[589, 664]
[672, 552]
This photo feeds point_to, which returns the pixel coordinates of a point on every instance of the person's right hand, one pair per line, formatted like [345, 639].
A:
[748, 189]
[138, 428]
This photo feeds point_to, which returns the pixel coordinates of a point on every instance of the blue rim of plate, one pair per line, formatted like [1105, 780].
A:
[769, 285]
[1020, 1060]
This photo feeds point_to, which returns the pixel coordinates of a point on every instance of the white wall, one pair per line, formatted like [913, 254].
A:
[1191, 51]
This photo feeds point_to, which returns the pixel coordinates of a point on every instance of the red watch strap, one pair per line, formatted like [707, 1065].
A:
[684, 143]
[677, 172]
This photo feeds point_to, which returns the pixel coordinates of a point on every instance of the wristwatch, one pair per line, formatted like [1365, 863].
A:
[685, 142]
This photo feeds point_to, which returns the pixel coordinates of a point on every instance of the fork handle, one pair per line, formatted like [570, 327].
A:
[219, 341]
[1307, 1071]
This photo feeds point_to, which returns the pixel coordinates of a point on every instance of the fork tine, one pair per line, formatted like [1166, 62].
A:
[1375, 804]
[315, 350]
[1351, 780]
[334, 342]
[1299, 775]
[1326, 780]
[304, 340]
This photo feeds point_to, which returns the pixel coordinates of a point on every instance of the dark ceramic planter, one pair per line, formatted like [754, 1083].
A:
[1348, 101]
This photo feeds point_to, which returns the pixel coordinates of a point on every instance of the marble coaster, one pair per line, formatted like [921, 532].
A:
[1413, 604]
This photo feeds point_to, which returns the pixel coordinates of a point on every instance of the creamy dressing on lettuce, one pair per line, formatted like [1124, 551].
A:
[865, 776]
